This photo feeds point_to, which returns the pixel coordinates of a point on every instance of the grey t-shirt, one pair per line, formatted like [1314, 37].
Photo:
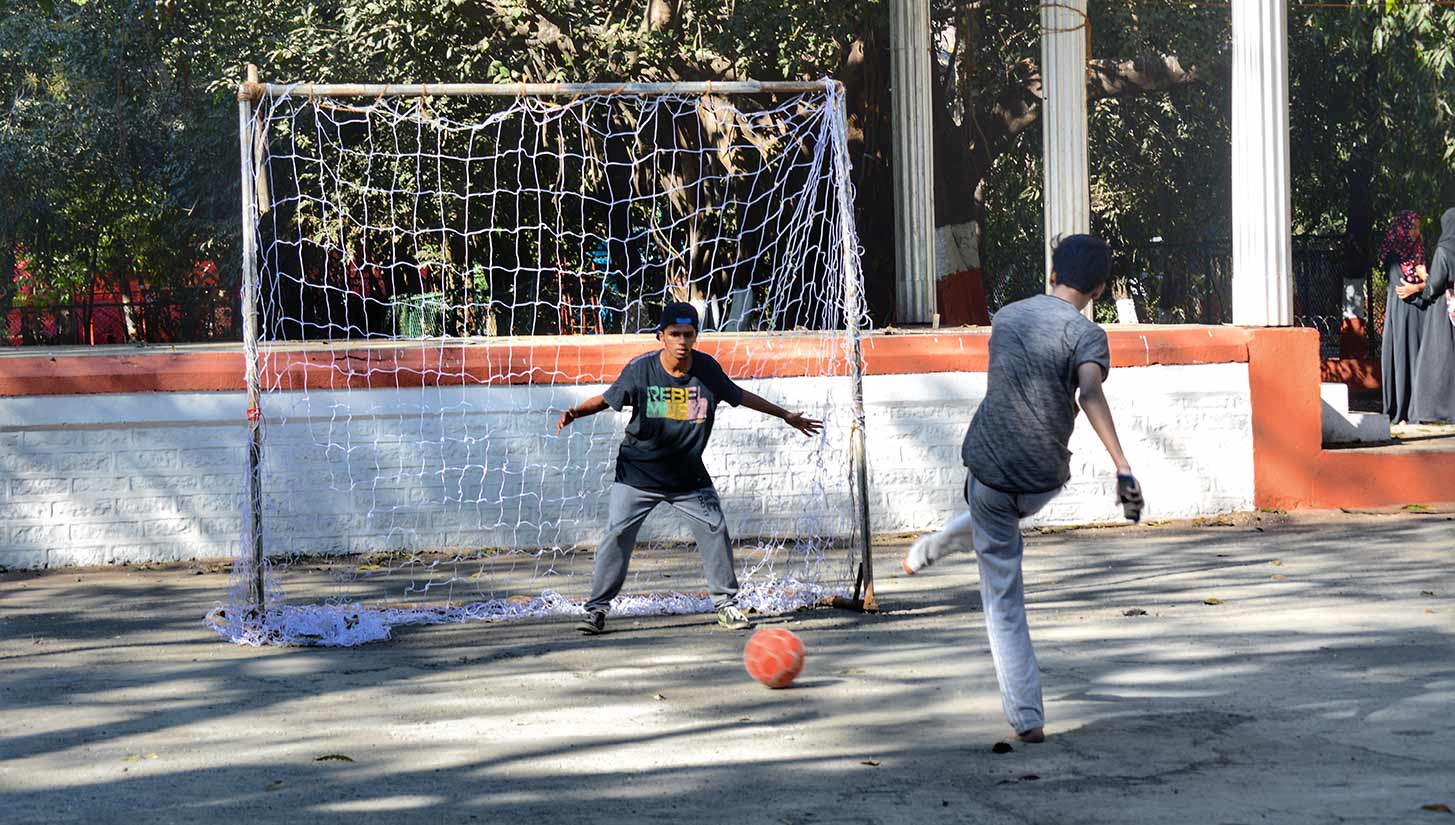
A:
[1017, 439]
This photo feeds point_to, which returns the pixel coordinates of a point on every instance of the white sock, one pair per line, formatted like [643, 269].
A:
[952, 538]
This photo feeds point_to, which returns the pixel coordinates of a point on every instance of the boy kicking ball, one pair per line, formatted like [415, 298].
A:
[1043, 353]
[673, 393]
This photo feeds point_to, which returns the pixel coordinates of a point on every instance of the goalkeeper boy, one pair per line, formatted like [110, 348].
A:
[673, 393]
[1043, 352]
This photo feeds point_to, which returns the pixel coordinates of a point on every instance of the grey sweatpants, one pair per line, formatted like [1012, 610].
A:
[629, 507]
[993, 529]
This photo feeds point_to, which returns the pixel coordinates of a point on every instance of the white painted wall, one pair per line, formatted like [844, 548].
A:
[157, 476]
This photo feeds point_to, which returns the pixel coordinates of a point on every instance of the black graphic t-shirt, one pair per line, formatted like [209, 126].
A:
[671, 421]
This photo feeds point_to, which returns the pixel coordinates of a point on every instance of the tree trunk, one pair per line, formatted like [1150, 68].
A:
[866, 83]
[960, 169]
[88, 315]
[7, 283]
[990, 125]
[1359, 223]
[128, 309]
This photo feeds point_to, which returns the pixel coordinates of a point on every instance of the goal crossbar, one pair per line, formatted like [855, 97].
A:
[253, 90]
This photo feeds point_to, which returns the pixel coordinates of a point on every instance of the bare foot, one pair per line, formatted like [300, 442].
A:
[1034, 735]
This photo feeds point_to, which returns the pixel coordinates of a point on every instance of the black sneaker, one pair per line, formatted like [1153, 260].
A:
[593, 623]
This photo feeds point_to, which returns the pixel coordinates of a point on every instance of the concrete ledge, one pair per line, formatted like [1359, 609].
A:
[1292, 470]
[554, 360]
[1340, 426]
[117, 475]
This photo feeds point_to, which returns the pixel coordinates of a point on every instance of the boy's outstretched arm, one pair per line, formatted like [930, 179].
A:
[796, 420]
[590, 406]
[1098, 412]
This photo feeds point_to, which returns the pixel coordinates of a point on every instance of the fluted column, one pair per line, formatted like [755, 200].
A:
[914, 175]
[1261, 227]
[1064, 35]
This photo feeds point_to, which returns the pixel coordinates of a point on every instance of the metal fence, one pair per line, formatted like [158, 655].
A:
[1169, 283]
[1192, 283]
[197, 318]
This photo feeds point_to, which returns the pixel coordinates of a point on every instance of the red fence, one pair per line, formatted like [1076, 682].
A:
[202, 317]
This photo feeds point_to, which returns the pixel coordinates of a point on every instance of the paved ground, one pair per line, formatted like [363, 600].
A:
[1424, 436]
[1319, 688]
[1407, 438]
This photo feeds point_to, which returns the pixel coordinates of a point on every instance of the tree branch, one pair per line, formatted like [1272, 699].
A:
[659, 14]
[551, 29]
[1018, 107]
[993, 123]
[548, 30]
[1147, 73]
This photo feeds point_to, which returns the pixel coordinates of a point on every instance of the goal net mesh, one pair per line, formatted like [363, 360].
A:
[438, 278]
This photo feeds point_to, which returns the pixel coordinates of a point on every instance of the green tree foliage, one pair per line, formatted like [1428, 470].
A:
[1372, 87]
[118, 153]
[1158, 131]
[113, 155]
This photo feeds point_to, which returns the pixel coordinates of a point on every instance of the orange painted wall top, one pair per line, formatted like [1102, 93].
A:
[1291, 470]
[577, 359]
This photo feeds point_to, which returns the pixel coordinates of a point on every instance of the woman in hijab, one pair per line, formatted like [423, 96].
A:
[1434, 390]
[1403, 256]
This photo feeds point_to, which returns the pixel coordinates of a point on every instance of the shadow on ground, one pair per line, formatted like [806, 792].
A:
[1316, 687]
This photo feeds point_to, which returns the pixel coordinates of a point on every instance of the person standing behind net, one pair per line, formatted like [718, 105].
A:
[1043, 351]
[1433, 399]
[673, 393]
[1403, 255]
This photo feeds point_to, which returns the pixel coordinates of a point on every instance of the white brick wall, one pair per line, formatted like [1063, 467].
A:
[1187, 431]
[158, 476]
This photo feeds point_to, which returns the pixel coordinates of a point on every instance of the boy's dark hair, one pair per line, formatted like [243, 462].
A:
[1082, 262]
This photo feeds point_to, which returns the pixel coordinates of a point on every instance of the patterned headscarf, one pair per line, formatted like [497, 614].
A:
[1401, 247]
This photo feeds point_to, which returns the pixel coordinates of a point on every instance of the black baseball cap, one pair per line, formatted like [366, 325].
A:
[678, 312]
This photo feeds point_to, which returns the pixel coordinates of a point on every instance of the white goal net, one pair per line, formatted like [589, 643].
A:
[437, 276]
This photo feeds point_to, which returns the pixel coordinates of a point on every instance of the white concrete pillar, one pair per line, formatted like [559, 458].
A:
[914, 173]
[1261, 225]
[1065, 33]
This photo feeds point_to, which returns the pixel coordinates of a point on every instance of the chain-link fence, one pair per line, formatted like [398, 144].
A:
[197, 318]
[1169, 283]
[1177, 283]
[1192, 283]
[1320, 295]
